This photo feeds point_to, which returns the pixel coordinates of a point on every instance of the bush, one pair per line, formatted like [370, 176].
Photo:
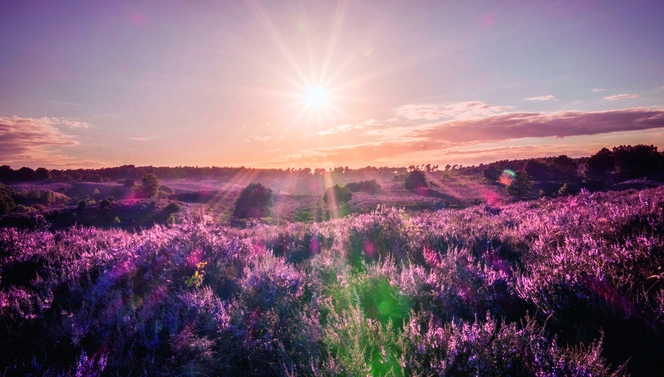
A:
[370, 186]
[569, 188]
[337, 195]
[173, 207]
[520, 186]
[149, 186]
[415, 180]
[105, 204]
[254, 202]
[166, 189]
[82, 205]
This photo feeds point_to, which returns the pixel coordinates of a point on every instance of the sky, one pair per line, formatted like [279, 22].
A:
[276, 84]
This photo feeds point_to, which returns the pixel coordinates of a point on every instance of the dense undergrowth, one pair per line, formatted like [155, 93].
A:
[565, 287]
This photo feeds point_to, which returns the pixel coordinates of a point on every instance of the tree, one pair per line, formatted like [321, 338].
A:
[337, 195]
[598, 167]
[43, 173]
[149, 185]
[564, 166]
[492, 174]
[637, 161]
[415, 180]
[255, 201]
[25, 174]
[537, 169]
[6, 199]
[521, 185]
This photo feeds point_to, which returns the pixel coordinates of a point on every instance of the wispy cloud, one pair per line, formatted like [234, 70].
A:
[597, 90]
[349, 127]
[559, 124]
[137, 138]
[549, 97]
[459, 110]
[621, 96]
[453, 137]
[24, 139]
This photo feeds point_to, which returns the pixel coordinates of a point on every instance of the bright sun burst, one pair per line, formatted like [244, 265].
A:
[316, 97]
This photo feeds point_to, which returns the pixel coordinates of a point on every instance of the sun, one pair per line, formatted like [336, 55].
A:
[316, 97]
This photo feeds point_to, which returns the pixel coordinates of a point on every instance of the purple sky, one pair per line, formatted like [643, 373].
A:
[105, 83]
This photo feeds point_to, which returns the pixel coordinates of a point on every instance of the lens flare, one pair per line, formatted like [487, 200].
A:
[507, 177]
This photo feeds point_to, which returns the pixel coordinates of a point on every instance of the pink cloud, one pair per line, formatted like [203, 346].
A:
[560, 124]
[454, 139]
[349, 127]
[459, 110]
[30, 138]
[621, 96]
[541, 98]
[597, 90]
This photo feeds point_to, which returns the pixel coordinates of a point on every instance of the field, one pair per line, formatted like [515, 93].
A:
[409, 284]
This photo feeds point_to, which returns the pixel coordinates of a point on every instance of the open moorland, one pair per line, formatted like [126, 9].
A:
[518, 268]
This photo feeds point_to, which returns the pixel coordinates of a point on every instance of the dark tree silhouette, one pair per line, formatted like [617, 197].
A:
[415, 180]
[598, 167]
[337, 195]
[255, 202]
[520, 186]
[149, 185]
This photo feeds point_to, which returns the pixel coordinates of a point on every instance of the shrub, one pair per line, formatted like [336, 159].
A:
[370, 186]
[105, 204]
[149, 186]
[255, 202]
[569, 188]
[337, 195]
[166, 189]
[82, 205]
[415, 180]
[94, 178]
[520, 186]
[173, 207]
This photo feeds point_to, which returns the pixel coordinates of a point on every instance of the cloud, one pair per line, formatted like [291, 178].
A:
[621, 96]
[597, 90]
[136, 138]
[24, 139]
[509, 130]
[459, 110]
[559, 124]
[350, 127]
[549, 97]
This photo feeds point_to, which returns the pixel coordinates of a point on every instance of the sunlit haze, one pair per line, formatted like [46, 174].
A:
[325, 83]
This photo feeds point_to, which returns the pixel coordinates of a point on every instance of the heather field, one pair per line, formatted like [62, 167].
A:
[568, 286]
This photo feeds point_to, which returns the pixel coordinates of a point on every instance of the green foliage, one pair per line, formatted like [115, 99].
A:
[255, 202]
[337, 196]
[569, 188]
[415, 179]
[149, 186]
[173, 207]
[166, 190]
[491, 173]
[520, 186]
[370, 186]
[6, 199]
